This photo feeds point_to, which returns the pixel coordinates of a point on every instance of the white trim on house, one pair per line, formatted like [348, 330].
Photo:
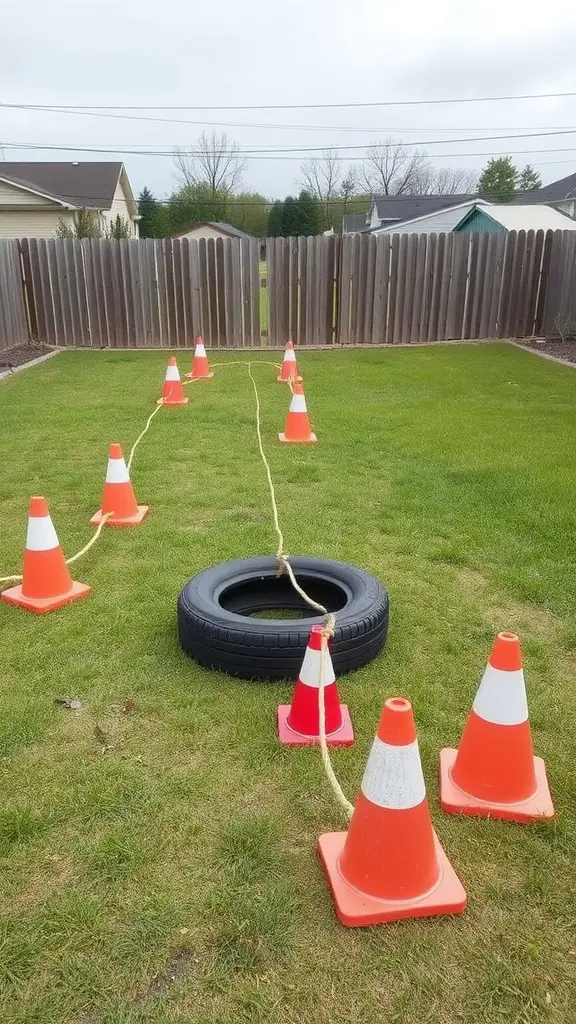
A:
[36, 192]
[406, 225]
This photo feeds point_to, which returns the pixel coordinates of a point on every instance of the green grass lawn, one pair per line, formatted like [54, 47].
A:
[174, 878]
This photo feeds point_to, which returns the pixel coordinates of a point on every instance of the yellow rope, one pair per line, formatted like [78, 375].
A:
[92, 541]
[139, 438]
[330, 619]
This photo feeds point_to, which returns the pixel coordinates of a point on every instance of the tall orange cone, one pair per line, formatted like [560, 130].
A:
[390, 864]
[172, 392]
[200, 366]
[46, 581]
[297, 429]
[299, 723]
[494, 773]
[118, 497]
[289, 369]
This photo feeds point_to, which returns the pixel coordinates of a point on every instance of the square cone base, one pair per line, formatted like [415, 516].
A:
[203, 376]
[343, 737]
[455, 801]
[356, 909]
[288, 440]
[41, 605]
[162, 401]
[140, 516]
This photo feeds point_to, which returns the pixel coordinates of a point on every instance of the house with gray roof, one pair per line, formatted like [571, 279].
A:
[560, 194]
[36, 197]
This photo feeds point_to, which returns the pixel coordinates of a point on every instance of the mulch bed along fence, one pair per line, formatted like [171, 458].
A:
[20, 355]
[558, 349]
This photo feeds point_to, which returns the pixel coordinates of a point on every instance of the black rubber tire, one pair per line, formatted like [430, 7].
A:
[215, 628]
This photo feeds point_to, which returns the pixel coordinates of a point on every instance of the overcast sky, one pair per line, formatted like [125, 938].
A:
[300, 51]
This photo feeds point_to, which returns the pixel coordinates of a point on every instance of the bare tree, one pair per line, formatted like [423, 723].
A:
[451, 181]
[214, 160]
[395, 170]
[321, 176]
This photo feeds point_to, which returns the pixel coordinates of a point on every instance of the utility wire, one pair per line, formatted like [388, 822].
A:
[295, 106]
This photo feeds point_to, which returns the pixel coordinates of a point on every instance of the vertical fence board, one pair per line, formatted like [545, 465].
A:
[418, 288]
[380, 297]
[13, 314]
[436, 261]
[408, 294]
[343, 333]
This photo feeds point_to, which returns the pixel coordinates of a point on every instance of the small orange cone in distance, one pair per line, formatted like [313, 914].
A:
[200, 366]
[299, 723]
[172, 392]
[390, 864]
[46, 582]
[297, 429]
[494, 773]
[118, 497]
[289, 369]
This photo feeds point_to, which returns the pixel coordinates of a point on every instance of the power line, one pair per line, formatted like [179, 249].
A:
[282, 150]
[296, 106]
[272, 154]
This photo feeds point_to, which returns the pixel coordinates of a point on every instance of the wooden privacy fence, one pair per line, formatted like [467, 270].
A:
[13, 318]
[143, 294]
[359, 289]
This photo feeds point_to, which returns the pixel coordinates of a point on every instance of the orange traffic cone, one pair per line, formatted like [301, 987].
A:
[298, 724]
[297, 429]
[172, 392]
[118, 497]
[390, 864]
[46, 581]
[494, 773]
[289, 369]
[200, 366]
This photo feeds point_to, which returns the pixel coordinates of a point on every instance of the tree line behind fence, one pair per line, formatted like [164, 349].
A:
[358, 289]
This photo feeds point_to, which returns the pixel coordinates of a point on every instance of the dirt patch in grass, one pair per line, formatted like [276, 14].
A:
[179, 967]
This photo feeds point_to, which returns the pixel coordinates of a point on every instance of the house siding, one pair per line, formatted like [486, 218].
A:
[203, 231]
[478, 221]
[11, 196]
[119, 208]
[33, 224]
[445, 220]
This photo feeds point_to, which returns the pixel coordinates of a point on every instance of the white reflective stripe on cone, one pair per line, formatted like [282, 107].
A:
[289, 356]
[298, 403]
[393, 776]
[41, 535]
[501, 697]
[311, 667]
[200, 350]
[117, 473]
[172, 373]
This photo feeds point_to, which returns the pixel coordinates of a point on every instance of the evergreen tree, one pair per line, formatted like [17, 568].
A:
[529, 180]
[275, 220]
[148, 210]
[309, 213]
[498, 180]
[290, 217]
